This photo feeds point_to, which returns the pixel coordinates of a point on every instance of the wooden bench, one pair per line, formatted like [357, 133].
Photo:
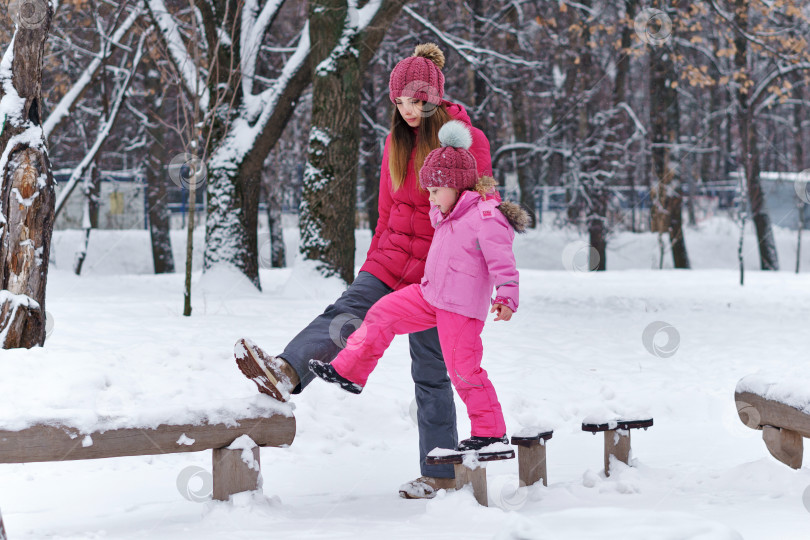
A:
[231, 474]
[532, 456]
[783, 426]
[617, 438]
[470, 468]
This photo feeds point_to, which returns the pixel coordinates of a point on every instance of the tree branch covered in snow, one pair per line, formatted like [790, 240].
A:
[178, 52]
[104, 130]
[69, 100]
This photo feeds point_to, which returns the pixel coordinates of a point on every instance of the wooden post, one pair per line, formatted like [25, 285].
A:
[617, 438]
[532, 464]
[477, 477]
[473, 472]
[784, 444]
[617, 444]
[532, 457]
[232, 474]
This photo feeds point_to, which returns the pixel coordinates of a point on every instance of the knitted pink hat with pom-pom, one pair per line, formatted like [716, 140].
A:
[419, 76]
[452, 165]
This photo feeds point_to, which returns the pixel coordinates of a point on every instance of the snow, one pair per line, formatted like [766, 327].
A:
[790, 386]
[185, 440]
[121, 353]
[246, 445]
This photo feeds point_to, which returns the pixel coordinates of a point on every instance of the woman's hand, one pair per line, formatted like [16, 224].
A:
[504, 313]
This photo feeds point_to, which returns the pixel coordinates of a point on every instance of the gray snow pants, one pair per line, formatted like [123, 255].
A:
[326, 336]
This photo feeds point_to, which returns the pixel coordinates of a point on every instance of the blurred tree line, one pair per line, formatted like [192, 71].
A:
[586, 95]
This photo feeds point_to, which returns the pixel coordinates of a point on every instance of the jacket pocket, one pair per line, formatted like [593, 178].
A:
[462, 280]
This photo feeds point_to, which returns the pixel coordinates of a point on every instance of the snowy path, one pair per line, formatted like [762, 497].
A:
[574, 348]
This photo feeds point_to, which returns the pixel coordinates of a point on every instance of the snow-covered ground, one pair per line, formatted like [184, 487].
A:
[121, 352]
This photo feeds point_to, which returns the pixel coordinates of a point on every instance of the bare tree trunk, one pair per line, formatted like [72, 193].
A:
[327, 214]
[330, 180]
[272, 189]
[92, 186]
[157, 204]
[597, 192]
[27, 196]
[667, 200]
[750, 150]
[371, 142]
[371, 176]
[520, 128]
[482, 117]
[798, 156]
[92, 189]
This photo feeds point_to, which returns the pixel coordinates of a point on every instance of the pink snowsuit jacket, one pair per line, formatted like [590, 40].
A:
[402, 239]
[470, 254]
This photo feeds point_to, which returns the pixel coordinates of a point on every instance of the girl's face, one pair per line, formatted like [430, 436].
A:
[410, 109]
[443, 197]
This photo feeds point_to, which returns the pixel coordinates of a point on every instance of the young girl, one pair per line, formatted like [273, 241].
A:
[471, 252]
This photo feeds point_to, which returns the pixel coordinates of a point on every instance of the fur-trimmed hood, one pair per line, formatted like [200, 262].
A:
[518, 218]
[516, 215]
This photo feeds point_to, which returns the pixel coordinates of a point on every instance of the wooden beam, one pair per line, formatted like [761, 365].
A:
[49, 443]
[756, 411]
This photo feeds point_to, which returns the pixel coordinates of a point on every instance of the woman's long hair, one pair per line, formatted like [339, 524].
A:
[402, 141]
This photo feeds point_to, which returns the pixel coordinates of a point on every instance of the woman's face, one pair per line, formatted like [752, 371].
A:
[410, 109]
[443, 197]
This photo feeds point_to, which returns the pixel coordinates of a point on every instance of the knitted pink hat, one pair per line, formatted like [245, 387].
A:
[452, 165]
[419, 76]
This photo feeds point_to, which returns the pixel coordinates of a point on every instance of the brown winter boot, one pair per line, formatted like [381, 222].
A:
[273, 375]
[425, 487]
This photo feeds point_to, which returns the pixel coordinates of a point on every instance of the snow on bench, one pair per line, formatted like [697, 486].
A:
[99, 399]
[233, 471]
[779, 405]
[228, 430]
[616, 424]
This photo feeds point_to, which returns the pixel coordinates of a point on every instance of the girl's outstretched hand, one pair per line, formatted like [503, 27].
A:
[504, 313]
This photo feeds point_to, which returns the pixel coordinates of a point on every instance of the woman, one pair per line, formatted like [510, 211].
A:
[395, 259]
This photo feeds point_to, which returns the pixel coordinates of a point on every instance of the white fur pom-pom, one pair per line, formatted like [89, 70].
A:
[455, 133]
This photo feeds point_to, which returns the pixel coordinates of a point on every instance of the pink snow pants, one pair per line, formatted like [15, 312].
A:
[406, 311]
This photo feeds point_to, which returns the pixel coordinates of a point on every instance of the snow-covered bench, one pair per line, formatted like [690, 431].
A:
[617, 436]
[233, 469]
[779, 405]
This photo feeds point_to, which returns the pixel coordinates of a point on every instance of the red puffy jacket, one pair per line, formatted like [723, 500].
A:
[402, 239]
